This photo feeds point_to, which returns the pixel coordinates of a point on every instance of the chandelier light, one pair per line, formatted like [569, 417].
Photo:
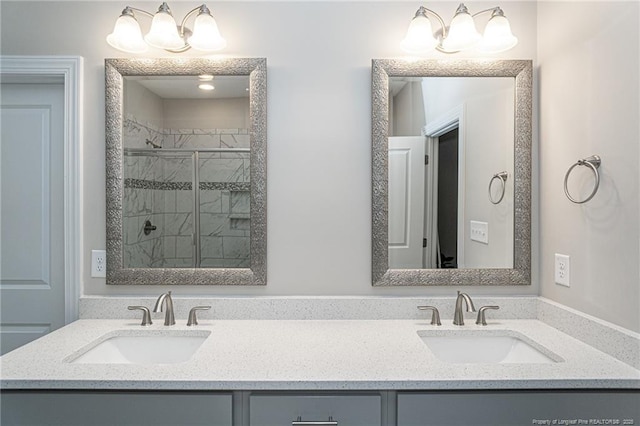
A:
[460, 35]
[164, 33]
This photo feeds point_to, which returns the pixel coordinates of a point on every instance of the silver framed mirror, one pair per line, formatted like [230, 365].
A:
[518, 270]
[245, 191]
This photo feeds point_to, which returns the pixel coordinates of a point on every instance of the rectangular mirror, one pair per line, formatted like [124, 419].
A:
[451, 172]
[186, 171]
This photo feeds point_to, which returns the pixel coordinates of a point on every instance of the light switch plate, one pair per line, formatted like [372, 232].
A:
[480, 231]
[563, 270]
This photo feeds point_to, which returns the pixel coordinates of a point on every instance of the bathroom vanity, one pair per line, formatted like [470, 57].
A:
[362, 361]
[367, 371]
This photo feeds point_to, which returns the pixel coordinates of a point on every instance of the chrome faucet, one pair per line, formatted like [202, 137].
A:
[458, 317]
[165, 298]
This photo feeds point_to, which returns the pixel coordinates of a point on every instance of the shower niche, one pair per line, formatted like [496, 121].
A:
[186, 189]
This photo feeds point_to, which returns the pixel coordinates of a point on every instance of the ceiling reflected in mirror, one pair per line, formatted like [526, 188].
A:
[188, 87]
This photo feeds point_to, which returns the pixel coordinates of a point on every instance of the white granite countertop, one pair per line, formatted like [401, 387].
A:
[311, 354]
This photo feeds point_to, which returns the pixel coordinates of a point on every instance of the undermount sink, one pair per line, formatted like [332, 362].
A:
[148, 348]
[482, 348]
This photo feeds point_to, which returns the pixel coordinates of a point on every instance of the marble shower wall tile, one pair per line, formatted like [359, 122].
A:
[196, 141]
[222, 170]
[178, 224]
[240, 202]
[234, 141]
[176, 170]
[142, 254]
[210, 201]
[135, 134]
[235, 247]
[148, 168]
[211, 247]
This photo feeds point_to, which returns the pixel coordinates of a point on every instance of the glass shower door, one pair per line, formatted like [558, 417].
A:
[223, 199]
[186, 208]
[177, 210]
[158, 209]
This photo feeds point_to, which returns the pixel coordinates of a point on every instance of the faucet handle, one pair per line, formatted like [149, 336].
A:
[193, 320]
[481, 319]
[146, 315]
[435, 316]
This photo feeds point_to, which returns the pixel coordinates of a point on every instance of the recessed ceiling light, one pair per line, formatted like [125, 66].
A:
[205, 77]
[205, 86]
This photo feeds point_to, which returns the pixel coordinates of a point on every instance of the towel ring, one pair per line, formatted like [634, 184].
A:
[502, 177]
[592, 162]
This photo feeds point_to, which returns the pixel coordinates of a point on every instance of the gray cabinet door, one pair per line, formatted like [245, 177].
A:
[514, 408]
[101, 408]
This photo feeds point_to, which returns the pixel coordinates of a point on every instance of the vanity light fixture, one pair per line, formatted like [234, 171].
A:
[460, 35]
[165, 33]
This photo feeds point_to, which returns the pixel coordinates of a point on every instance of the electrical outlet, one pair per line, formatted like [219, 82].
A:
[98, 263]
[563, 270]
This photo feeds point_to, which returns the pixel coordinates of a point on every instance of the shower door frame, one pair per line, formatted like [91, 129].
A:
[195, 184]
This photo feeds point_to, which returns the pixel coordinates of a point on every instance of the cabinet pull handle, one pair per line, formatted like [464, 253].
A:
[300, 422]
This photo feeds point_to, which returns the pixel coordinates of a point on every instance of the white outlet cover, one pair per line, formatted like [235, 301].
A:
[98, 263]
[562, 270]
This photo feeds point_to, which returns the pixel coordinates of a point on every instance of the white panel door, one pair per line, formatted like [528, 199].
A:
[31, 212]
[406, 201]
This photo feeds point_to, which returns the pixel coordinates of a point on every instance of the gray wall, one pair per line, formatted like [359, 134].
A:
[319, 133]
[589, 104]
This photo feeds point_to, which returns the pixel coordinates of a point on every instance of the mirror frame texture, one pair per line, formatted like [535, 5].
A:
[115, 70]
[522, 71]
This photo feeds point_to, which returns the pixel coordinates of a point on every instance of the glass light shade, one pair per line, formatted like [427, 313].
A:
[164, 32]
[462, 33]
[497, 36]
[419, 38]
[126, 35]
[206, 36]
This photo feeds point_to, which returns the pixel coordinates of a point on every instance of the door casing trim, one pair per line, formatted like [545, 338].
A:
[69, 69]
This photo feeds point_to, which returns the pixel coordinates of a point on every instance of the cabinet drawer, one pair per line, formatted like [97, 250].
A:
[345, 409]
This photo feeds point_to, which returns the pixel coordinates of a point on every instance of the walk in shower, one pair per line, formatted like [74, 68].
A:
[186, 208]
